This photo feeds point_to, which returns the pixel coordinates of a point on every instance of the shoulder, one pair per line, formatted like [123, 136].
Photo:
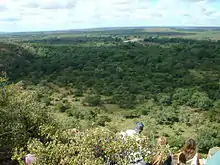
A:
[130, 132]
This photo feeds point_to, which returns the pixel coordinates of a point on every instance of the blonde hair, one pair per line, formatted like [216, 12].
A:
[157, 160]
[159, 157]
[162, 141]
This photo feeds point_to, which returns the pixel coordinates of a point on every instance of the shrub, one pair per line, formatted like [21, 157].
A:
[46, 100]
[176, 142]
[167, 116]
[93, 100]
[78, 93]
[61, 107]
[164, 99]
[21, 117]
[70, 111]
[101, 120]
[201, 100]
[90, 115]
[182, 96]
[145, 112]
[78, 114]
[214, 114]
[124, 100]
[208, 136]
[130, 114]
[94, 146]
[64, 100]
[193, 98]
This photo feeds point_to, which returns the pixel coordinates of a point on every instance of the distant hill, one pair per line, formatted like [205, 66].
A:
[182, 28]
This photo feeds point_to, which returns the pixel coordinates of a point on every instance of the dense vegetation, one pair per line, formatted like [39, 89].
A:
[171, 84]
[129, 70]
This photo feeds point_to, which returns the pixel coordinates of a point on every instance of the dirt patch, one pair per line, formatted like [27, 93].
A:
[4, 50]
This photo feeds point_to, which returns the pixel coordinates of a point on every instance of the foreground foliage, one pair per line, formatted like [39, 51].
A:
[20, 116]
[93, 146]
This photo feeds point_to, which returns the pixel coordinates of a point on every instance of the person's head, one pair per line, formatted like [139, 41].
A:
[212, 152]
[190, 144]
[189, 149]
[139, 127]
[162, 141]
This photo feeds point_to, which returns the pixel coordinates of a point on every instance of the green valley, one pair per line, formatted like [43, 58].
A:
[168, 78]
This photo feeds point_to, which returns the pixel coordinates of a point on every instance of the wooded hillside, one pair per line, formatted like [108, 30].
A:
[172, 85]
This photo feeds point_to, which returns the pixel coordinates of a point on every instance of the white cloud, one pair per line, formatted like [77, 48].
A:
[22, 15]
[2, 8]
[50, 4]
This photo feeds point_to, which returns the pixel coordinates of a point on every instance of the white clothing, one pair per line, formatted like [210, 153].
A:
[129, 132]
[193, 161]
[135, 156]
[139, 163]
[203, 161]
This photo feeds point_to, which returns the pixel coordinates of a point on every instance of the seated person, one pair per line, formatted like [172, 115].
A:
[135, 157]
[133, 132]
[161, 158]
[188, 154]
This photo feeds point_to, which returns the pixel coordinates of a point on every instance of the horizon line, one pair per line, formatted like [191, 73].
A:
[110, 27]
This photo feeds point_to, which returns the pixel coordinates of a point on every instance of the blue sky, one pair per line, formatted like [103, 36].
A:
[38, 15]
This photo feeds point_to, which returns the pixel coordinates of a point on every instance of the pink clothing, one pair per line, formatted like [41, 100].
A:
[30, 159]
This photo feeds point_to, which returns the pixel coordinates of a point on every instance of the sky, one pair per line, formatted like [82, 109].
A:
[41, 15]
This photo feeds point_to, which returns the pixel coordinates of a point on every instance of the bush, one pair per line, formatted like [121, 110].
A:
[70, 111]
[90, 115]
[125, 100]
[93, 100]
[214, 114]
[193, 98]
[46, 100]
[145, 112]
[78, 114]
[208, 137]
[94, 146]
[101, 120]
[167, 116]
[61, 107]
[201, 100]
[182, 96]
[176, 142]
[148, 107]
[164, 99]
[78, 93]
[21, 117]
[130, 114]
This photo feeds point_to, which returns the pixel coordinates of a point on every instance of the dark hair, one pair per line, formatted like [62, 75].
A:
[140, 126]
[190, 144]
[189, 149]
[168, 161]
[182, 158]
